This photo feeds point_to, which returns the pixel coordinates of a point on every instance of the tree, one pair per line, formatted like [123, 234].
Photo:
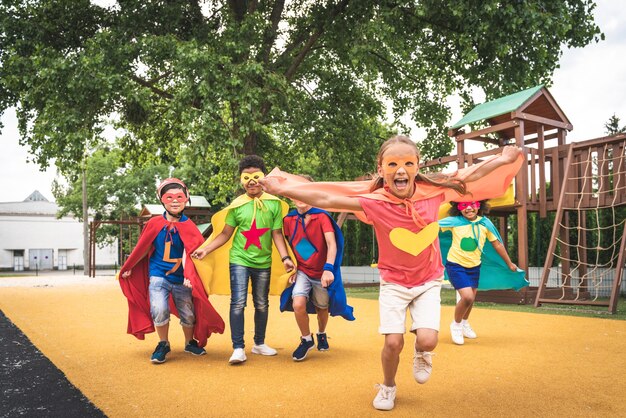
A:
[116, 190]
[611, 127]
[304, 83]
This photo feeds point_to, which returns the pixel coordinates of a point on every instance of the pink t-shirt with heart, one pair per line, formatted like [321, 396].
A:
[397, 266]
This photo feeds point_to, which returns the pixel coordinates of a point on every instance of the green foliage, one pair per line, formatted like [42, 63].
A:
[360, 244]
[539, 235]
[305, 84]
[115, 190]
[611, 127]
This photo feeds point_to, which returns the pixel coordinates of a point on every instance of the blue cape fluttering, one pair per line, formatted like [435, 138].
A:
[494, 273]
[337, 304]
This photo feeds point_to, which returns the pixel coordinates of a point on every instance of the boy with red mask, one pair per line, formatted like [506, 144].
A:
[159, 277]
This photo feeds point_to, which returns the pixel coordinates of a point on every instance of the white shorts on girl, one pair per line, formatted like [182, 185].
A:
[423, 302]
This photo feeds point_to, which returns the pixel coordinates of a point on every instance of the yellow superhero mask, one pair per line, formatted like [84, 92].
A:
[248, 177]
[393, 163]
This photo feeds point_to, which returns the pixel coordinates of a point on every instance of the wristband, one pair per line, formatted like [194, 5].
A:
[285, 257]
[328, 267]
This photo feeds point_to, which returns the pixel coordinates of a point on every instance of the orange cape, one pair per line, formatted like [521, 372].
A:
[492, 185]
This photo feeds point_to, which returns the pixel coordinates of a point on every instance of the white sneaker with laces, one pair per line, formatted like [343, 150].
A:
[468, 332]
[385, 398]
[239, 356]
[422, 366]
[456, 331]
[264, 350]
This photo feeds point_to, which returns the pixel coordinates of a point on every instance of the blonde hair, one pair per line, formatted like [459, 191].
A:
[437, 179]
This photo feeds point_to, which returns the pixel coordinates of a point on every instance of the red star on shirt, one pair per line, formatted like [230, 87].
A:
[253, 234]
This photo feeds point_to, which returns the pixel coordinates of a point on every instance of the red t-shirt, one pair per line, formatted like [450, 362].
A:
[316, 225]
[395, 265]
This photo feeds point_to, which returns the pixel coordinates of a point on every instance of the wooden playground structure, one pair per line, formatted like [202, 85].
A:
[585, 178]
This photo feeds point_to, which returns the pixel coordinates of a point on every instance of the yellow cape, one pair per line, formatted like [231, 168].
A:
[214, 268]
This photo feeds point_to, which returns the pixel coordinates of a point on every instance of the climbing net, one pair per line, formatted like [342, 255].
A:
[586, 263]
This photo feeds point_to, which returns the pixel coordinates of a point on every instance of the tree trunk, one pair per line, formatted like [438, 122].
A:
[250, 143]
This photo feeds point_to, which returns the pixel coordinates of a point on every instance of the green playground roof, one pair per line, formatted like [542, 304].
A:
[497, 107]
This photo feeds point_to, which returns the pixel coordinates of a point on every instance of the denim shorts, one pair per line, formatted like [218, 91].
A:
[306, 286]
[160, 290]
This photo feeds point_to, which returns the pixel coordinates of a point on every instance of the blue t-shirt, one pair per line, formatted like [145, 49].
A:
[167, 258]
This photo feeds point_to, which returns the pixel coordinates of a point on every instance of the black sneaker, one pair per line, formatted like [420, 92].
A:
[303, 349]
[160, 352]
[322, 342]
[193, 348]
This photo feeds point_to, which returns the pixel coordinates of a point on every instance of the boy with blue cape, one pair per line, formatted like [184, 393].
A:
[317, 288]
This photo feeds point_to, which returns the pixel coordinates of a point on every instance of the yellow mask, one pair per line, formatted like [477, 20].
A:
[392, 164]
[248, 177]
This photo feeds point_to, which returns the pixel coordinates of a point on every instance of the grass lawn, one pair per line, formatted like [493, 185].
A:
[448, 298]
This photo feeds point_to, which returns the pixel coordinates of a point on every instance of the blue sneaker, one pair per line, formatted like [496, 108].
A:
[322, 342]
[160, 352]
[193, 348]
[303, 349]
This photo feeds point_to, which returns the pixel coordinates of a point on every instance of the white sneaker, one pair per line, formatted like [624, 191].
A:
[422, 366]
[468, 332]
[239, 356]
[264, 350]
[385, 398]
[456, 331]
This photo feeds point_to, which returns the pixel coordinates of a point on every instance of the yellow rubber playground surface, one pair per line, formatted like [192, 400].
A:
[521, 365]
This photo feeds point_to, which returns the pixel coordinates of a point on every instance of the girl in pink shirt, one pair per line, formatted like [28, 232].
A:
[402, 205]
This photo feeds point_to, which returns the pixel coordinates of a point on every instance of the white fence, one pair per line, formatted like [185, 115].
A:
[600, 286]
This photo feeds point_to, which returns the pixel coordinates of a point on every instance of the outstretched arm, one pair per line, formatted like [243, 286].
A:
[315, 198]
[219, 240]
[508, 156]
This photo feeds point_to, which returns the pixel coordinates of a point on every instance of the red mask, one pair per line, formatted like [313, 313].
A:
[464, 205]
[170, 197]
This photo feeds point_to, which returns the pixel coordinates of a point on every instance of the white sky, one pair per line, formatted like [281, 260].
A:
[590, 87]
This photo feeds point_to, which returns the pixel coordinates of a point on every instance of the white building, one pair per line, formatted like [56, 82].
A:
[32, 238]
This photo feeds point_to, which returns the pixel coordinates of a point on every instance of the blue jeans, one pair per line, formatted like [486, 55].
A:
[260, 279]
[160, 290]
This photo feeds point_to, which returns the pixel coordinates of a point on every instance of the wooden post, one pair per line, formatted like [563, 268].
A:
[560, 214]
[617, 280]
[460, 152]
[521, 192]
[86, 259]
[543, 212]
[502, 227]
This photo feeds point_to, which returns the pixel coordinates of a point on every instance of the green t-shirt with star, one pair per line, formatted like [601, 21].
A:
[252, 244]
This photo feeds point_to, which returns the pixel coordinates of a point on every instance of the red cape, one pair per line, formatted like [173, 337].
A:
[135, 288]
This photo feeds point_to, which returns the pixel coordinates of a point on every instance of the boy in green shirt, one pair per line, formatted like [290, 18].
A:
[258, 218]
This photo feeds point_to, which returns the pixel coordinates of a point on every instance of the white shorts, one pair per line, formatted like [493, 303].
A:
[423, 302]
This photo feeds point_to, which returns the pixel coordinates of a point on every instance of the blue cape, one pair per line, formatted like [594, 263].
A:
[494, 273]
[338, 304]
